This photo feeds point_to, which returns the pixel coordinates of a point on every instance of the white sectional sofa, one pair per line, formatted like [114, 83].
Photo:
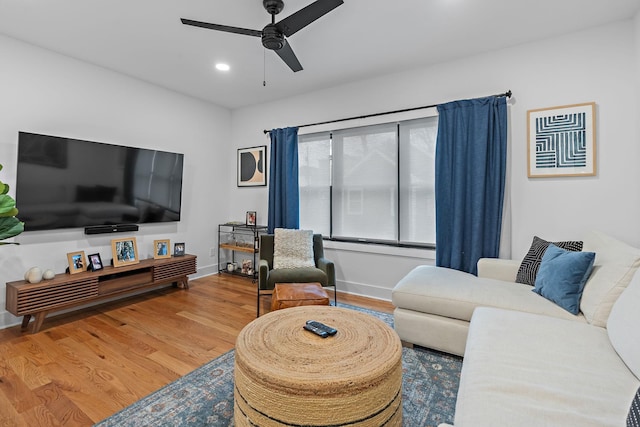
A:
[527, 361]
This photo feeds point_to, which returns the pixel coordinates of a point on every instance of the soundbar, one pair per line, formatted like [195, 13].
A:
[116, 228]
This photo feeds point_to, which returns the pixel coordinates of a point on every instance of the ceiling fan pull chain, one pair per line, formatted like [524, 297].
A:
[264, 67]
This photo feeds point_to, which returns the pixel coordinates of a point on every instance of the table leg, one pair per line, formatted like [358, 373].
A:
[25, 322]
[37, 324]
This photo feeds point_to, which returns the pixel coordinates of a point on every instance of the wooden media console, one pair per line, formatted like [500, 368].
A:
[68, 290]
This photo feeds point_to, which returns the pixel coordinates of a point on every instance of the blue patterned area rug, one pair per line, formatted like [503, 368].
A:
[204, 397]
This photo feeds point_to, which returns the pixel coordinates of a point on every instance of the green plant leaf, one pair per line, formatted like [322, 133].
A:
[10, 227]
[7, 204]
[12, 212]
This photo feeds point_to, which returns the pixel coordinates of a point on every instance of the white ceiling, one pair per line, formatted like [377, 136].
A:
[360, 39]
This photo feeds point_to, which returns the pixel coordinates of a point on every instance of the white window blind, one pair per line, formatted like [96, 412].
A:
[314, 177]
[372, 183]
[365, 183]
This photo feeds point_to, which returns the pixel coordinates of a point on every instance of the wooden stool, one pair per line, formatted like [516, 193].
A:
[298, 294]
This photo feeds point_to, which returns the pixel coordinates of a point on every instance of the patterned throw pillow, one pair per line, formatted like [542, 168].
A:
[531, 262]
[633, 419]
[292, 248]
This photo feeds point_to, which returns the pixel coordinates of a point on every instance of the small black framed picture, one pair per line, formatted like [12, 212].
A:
[95, 262]
[251, 218]
[178, 249]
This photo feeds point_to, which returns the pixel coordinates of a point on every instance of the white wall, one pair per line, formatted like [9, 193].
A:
[596, 65]
[44, 92]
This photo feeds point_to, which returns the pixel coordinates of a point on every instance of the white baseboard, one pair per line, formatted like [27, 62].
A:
[365, 290]
[7, 319]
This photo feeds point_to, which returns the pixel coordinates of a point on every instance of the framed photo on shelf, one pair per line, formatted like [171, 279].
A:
[77, 262]
[251, 218]
[125, 251]
[562, 141]
[178, 249]
[161, 249]
[95, 262]
[252, 171]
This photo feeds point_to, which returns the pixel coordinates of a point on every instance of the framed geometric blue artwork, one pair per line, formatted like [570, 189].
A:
[562, 141]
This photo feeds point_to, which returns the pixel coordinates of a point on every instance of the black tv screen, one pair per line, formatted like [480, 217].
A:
[70, 183]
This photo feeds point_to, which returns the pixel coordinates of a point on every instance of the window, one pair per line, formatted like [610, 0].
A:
[372, 183]
[314, 176]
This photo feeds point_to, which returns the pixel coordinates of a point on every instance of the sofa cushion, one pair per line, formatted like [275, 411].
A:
[531, 261]
[455, 294]
[623, 325]
[616, 263]
[562, 276]
[292, 248]
[522, 369]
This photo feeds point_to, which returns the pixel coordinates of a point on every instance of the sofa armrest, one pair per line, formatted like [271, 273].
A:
[329, 269]
[496, 268]
[263, 273]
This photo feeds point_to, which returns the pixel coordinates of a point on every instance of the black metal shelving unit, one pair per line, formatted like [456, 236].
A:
[239, 245]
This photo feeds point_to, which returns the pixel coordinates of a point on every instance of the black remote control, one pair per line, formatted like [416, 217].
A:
[322, 327]
[319, 332]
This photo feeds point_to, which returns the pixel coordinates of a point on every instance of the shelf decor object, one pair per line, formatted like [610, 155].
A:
[251, 218]
[95, 262]
[561, 141]
[178, 249]
[252, 171]
[125, 251]
[77, 262]
[161, 249]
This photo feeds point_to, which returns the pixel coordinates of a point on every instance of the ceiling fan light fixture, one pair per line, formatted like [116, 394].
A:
[220, 66]
[272, 38]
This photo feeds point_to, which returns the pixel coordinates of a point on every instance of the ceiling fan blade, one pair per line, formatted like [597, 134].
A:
[287, 55]
[236, 30]
[305, 16]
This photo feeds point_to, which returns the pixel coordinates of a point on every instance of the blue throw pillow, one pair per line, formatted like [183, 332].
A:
[562, 276]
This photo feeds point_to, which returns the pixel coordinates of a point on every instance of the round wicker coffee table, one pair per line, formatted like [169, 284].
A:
[285, 375]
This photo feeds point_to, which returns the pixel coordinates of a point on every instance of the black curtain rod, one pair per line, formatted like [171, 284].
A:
[506, 94]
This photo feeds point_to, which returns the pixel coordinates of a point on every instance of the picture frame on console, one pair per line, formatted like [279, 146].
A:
[252, 170]
[95, 262]
[124, 251]
[77, 262]
[161, 249]
[178, 249]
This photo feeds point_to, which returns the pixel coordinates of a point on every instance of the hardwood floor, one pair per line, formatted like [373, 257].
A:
[84, 366]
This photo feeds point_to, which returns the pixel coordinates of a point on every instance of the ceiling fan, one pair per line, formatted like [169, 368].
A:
[273, 35]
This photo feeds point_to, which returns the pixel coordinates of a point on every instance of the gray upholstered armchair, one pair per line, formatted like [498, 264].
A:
[324, 272]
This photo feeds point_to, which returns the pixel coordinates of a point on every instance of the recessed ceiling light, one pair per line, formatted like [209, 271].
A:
[222, 67]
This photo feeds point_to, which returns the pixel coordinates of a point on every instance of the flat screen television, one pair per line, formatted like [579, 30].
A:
[71, 183]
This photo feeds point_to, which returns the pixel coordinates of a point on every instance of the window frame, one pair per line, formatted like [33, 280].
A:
[397, 119]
